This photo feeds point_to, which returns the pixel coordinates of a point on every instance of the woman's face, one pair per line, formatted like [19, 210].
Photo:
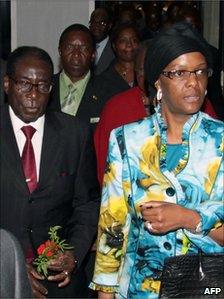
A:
[183, 93]
[126, 44]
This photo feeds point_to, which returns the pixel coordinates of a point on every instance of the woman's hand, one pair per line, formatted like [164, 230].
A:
[64, 263]
[163, 217]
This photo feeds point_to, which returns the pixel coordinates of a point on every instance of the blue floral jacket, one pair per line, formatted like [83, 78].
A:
[129, 259]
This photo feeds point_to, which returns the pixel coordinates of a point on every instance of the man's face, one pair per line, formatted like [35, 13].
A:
[99, 25]
[77, 54]
[28, 106]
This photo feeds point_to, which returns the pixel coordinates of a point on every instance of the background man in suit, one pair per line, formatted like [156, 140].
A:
[74, 89]
[100, 25]
[48, 179]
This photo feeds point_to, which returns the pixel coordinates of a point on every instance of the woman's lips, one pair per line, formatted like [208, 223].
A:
[192, 98]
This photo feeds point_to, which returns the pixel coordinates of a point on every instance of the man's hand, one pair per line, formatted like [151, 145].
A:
[39, 291]
[163, 217]
[64, 263]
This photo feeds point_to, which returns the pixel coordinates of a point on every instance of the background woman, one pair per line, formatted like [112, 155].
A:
[123, 108]
[163, 186]
[120, 75]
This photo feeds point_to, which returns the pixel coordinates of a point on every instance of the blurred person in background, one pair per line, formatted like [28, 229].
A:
[100, 25]
[190, 14]
[123, 108]
[152, 22]
[120, 75]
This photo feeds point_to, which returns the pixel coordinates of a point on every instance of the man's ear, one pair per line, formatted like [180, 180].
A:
[6, 83]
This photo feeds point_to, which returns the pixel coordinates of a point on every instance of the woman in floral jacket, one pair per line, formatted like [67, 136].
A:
[163, 184]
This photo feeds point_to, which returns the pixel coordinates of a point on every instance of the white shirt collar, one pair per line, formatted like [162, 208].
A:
[17, 123]
[103, 43]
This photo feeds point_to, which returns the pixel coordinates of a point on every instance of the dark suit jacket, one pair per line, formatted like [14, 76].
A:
[111, 83]
[13, 275]
[105, 60]
[2, 73]
[68, 192]
[91, 104]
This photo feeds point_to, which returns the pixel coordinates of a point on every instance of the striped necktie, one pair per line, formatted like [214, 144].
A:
[68, 98]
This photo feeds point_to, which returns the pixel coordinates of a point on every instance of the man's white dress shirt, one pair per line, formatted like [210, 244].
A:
[37, 139]
[99, 48]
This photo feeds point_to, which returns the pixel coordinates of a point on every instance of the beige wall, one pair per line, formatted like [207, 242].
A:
[40, 22]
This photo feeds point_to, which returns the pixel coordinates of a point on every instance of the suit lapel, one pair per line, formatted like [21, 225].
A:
[54, 102]
[9, 149]
[88, 100]
[106, 58]
[51, 148]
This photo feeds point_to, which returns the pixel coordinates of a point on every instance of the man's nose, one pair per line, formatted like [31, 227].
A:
[34, 90]
[76, 51]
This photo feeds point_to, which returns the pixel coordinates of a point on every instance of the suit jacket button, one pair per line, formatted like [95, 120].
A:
[31, 200]
[170, 191]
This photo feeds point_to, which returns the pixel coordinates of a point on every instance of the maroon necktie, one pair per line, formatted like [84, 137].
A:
[28, 159]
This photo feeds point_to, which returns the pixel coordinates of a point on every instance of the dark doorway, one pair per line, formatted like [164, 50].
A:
[5, 29]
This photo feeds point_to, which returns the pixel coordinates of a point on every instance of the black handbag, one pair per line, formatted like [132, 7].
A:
[193, 276]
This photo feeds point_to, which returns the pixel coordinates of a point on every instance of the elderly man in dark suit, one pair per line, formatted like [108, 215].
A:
[75, 90]
[47, 174]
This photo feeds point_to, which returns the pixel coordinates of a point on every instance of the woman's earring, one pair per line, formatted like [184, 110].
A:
[159, 95]
[205, 92]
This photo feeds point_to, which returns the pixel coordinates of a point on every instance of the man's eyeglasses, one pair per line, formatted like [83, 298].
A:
[184, 75]
[99, 23]
[69, 48]
[26, 86]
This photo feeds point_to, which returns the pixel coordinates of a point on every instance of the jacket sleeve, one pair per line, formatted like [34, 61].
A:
[114, 223]
[211, 212]
[82, 226]
[101, 138]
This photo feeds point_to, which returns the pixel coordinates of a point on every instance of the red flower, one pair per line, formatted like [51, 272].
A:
[49, 253]
[40, 249]
[49, 249]
[52, 245]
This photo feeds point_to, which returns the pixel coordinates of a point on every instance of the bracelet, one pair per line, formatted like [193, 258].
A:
[198, 228]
